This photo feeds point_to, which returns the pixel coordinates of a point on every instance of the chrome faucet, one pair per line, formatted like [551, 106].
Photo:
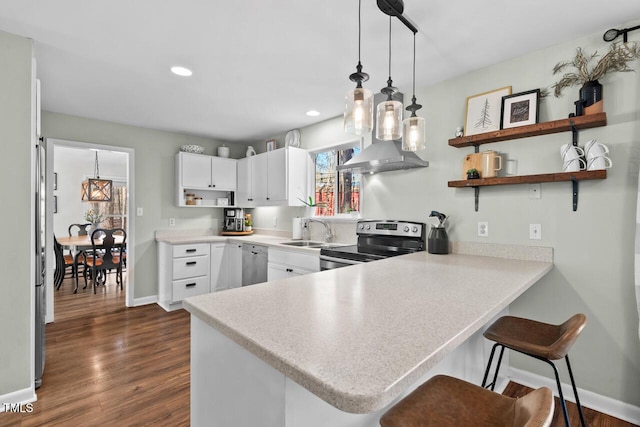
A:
[327, 228]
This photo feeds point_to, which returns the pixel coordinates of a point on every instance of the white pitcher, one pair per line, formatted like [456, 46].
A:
[250, 151]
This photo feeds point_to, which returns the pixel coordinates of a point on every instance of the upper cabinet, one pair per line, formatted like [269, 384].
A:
[207, 178]
[274, 178]
[208, 172]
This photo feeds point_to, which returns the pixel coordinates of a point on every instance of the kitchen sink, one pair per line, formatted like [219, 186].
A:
[306, 244]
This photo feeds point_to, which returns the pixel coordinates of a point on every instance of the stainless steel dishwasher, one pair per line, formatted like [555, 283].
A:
[254, 264]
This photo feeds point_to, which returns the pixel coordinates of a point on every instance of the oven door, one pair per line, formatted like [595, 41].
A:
[329, 263]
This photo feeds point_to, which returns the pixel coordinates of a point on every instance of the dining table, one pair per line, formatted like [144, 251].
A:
[79, 244]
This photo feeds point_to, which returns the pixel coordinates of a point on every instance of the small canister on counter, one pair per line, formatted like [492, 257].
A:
[198, 200]
[190, 199]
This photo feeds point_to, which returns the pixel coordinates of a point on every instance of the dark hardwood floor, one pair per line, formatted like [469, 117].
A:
[591, 417]
[108, 365]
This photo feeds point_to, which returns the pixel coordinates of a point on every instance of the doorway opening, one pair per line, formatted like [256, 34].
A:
[68, 164]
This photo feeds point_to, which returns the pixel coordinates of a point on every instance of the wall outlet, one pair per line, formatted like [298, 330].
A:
[535, 231]
[275, 221]
[535, 191]
[172, 222]
[483, 229]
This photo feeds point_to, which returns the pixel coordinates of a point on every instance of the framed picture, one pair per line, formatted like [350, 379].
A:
[484, 111]
[55, 180]
[55, 204]
[271, 145]
[520, 109]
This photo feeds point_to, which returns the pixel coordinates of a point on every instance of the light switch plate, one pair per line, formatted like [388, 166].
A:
[535, 191]
[535, 231]
[139, 212]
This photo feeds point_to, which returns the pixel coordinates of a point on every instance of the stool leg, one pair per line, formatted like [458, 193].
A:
[562, 402]
[495, 375]
[575, 392]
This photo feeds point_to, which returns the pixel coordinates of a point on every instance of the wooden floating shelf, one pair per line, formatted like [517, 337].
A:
[546, 128]
[530, 179]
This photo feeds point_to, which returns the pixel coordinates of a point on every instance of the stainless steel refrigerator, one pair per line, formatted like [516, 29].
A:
[40, 264]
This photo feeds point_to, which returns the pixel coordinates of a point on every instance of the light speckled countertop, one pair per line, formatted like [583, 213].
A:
[358, 336]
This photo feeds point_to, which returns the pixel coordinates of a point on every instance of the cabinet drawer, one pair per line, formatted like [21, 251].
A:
[190, 267]
[185, 288]
[190, 250]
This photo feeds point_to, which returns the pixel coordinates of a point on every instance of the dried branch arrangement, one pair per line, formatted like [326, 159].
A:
[617, 59]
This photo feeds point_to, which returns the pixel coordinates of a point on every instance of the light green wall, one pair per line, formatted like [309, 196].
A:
[154, 182]
[15, 173]
[593, 247]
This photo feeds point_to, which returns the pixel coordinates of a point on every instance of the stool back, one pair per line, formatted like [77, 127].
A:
[568, 333]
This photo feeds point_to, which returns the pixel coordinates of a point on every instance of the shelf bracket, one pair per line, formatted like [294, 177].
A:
[574, 131]
[476, 190]
[476, 148]
[574, 184]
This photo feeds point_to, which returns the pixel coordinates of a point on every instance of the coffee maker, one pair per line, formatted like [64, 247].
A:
[233, 219]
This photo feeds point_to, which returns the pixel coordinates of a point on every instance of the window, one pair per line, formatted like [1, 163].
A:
[336, 192]
[115, 211]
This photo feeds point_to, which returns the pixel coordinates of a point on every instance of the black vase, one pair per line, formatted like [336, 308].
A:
[590, 94]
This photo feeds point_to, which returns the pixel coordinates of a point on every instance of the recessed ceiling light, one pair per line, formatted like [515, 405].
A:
[313, 113]
[181, 71]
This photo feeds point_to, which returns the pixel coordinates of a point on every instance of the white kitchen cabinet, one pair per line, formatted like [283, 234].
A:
[183, 271]
[284, 263]
[219, 271]
[208, 177]
[274, 178]
[233, 261]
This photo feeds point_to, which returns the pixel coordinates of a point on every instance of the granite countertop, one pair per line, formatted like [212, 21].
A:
[357, 337]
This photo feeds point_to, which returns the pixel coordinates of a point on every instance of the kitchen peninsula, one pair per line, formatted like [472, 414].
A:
[339, 346]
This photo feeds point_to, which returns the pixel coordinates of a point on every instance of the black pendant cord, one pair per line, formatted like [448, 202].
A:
[389, 51]
[358, 77]
[414, 106]
[389, 90]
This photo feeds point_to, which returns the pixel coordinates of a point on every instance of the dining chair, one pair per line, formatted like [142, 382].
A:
[63, 262]
[82, 229]
[110, 258]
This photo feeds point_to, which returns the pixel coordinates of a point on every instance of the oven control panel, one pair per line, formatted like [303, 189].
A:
[391, 228]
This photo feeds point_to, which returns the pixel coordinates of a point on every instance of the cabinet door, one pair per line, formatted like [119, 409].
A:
[244, 195]
[223, 173]
[277, 175]
[277, 271]
[218, 268]
[259, 179]
[196, 170]
[233, 261]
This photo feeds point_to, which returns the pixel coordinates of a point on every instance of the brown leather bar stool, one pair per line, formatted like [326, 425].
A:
[445, 401]
[539, 340]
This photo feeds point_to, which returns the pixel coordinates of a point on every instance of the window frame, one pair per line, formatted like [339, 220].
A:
[311, 211]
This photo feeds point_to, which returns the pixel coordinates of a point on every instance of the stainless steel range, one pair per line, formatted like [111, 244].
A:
[377, 240]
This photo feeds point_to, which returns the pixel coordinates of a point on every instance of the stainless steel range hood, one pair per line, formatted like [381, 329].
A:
[383, 156]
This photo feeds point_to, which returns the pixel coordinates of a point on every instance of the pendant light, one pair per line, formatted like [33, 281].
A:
[389, 114]
[96, 189]
[413, 127]
[358, 111]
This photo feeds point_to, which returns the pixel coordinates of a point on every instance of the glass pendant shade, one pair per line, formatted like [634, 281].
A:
[413, 134]
[97, 190]
[358, 111]
[389, 120]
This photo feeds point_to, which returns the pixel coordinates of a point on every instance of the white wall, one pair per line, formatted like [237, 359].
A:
[72, 166]
[593, 247]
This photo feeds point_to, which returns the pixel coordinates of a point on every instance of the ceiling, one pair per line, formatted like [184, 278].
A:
[258, 66]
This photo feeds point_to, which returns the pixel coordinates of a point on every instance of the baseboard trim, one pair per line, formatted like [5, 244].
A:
[137, 302]
[589, 399]
[24, 396]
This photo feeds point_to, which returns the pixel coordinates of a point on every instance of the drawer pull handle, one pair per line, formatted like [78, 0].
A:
[190, 250]
[192, 263]
[190, 285]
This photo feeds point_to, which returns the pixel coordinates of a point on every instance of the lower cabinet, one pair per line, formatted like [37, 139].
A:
[233, 263]
[219, 274]
[284, 263]
[183, 271]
